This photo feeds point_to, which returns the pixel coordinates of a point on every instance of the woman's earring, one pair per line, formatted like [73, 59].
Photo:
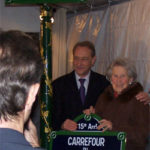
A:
[130, 83]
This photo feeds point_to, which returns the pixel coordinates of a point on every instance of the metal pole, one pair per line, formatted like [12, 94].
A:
[46, 89]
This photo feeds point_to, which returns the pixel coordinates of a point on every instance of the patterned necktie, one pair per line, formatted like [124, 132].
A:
[82, 90]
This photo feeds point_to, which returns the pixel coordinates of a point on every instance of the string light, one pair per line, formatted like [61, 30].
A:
[41, 17]
[52, 19]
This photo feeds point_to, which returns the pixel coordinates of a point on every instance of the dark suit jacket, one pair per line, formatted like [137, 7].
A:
[66, 98]
[14, 140]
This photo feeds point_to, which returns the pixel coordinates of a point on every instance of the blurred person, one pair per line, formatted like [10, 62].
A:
[20, 71]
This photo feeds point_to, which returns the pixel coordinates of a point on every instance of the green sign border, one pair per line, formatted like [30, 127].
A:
[120, 135]
[87, 117]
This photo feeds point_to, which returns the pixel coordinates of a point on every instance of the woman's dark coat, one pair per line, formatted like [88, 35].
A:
[126, 114]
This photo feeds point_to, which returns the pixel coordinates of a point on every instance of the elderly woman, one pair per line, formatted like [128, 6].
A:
[119, 105]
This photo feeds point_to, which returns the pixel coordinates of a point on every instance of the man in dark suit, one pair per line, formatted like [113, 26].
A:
[67, 102]
[20, 71]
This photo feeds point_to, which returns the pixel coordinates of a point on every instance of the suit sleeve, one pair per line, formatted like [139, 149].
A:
[57, 110]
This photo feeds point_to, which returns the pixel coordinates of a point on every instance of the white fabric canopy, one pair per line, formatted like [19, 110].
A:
[59, 52]
[119, 30]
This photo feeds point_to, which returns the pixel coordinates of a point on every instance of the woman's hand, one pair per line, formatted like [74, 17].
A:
[89, 111]
[105, 125]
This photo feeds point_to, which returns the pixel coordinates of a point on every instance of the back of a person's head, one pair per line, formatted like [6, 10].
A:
[20, 67]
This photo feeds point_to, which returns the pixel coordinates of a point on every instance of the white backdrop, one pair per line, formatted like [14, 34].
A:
[19, 18]
[59, 53]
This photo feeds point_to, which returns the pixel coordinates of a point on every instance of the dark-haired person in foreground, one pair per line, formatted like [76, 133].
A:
[20, 71]
[67, 102]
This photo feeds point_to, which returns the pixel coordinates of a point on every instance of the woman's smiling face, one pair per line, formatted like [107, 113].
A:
[120, 79]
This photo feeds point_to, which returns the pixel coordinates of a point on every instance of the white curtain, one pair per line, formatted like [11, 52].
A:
[119, 30]
[59, 52]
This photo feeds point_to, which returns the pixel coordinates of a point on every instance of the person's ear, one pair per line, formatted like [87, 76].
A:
[93, 60]
[30, 100]
[32, 94]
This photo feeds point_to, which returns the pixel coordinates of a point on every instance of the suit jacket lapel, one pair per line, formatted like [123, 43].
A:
[73, 83]
[90, 87]
[74, 87]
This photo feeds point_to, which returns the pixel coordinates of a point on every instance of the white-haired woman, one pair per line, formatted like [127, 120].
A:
[119, 107]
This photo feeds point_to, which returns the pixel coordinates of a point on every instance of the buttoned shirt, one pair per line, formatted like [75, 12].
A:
[86, 82]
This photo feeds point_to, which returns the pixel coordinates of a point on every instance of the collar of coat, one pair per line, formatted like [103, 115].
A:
[126, 95]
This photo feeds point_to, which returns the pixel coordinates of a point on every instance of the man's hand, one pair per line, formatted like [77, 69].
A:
[143, 97]
[89, 111]
[105, 125]
[31, 134]
[69, 125]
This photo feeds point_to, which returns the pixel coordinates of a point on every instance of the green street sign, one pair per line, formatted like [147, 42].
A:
[89, 140]
[7, 2]
[87, 137]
